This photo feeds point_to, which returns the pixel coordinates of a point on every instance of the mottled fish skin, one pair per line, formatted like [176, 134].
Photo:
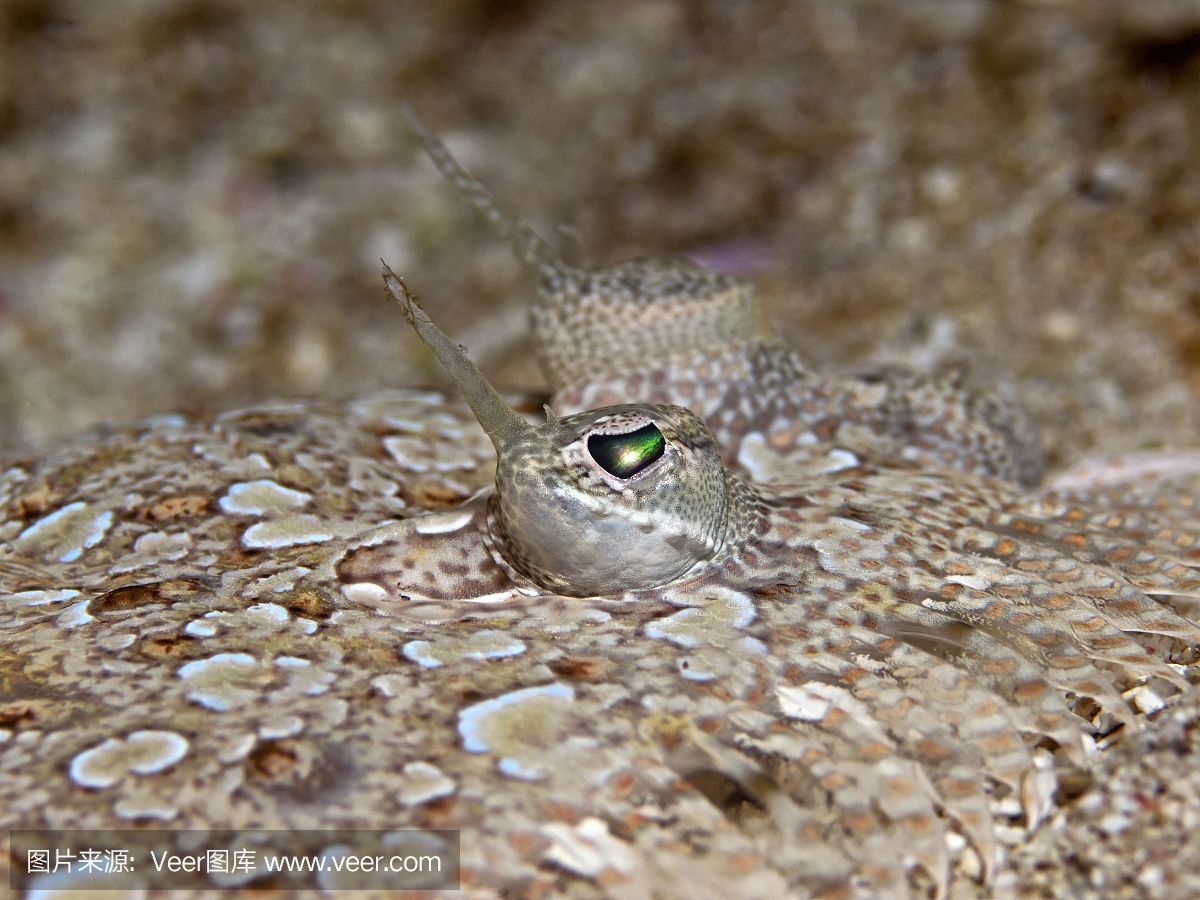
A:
[670, 331]
[887, 650]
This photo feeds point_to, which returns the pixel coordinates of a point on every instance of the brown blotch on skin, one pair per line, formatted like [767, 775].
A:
[431, 495]
[262, 423]
[37, 501]
[1058, 601]
[132, 596]
[164, 647]
[274, 760]
[581, 668]
[16, 715]
[435, 813]
[308, 603]
[168, 509]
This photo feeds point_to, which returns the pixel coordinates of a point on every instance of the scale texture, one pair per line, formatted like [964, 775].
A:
[904, 648]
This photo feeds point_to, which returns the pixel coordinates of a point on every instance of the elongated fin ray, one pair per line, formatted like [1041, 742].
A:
[501, 422]
[526, 243]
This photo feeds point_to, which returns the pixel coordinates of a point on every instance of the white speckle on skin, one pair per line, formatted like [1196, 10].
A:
[268, 613]
[851, 523]
[974, 582]
[801, 703]
[486, 644]
[713, 619]
[390, 684]
[200, 666]
[501, 597]
[64, 534]
[520, 727]
[1145, 699]
[753, 454]
[1039, 788]
[418, 652]
[442, 523]
[285, 728]
[753, 645]
[238, 748]
[74, 615]
[364, 592]
[810, 701]
[969, 862]
[691, 669]
[304, 676]
[276, 583]
[162, 544]
[114, 642]
[421, 782]
[219, 680]
[587, 848]
[141, 752]
[404, 410]
[839, 460]
[411, 452]
[199, 628]
[258, 461]
[138, 808]
[258, 498]
[287, 531]
[40, 598]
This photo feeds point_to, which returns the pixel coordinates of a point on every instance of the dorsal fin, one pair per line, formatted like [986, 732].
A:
[526, 243]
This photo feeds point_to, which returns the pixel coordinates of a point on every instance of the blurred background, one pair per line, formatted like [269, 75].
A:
[194, 194]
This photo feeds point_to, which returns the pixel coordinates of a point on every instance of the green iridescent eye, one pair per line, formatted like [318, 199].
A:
[624, 455]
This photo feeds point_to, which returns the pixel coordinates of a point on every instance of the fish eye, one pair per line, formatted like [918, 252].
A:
[625, 455]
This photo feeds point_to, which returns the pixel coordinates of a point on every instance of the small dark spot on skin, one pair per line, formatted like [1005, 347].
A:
[1166, 55]
[273, 760]
[16, 715]
[724, 793]
[581, 668]
[36, 502]
[435, 813]
[307, 603]
[164, 648]
[434, 496]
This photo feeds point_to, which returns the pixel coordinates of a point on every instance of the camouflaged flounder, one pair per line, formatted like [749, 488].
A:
[883, 658]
